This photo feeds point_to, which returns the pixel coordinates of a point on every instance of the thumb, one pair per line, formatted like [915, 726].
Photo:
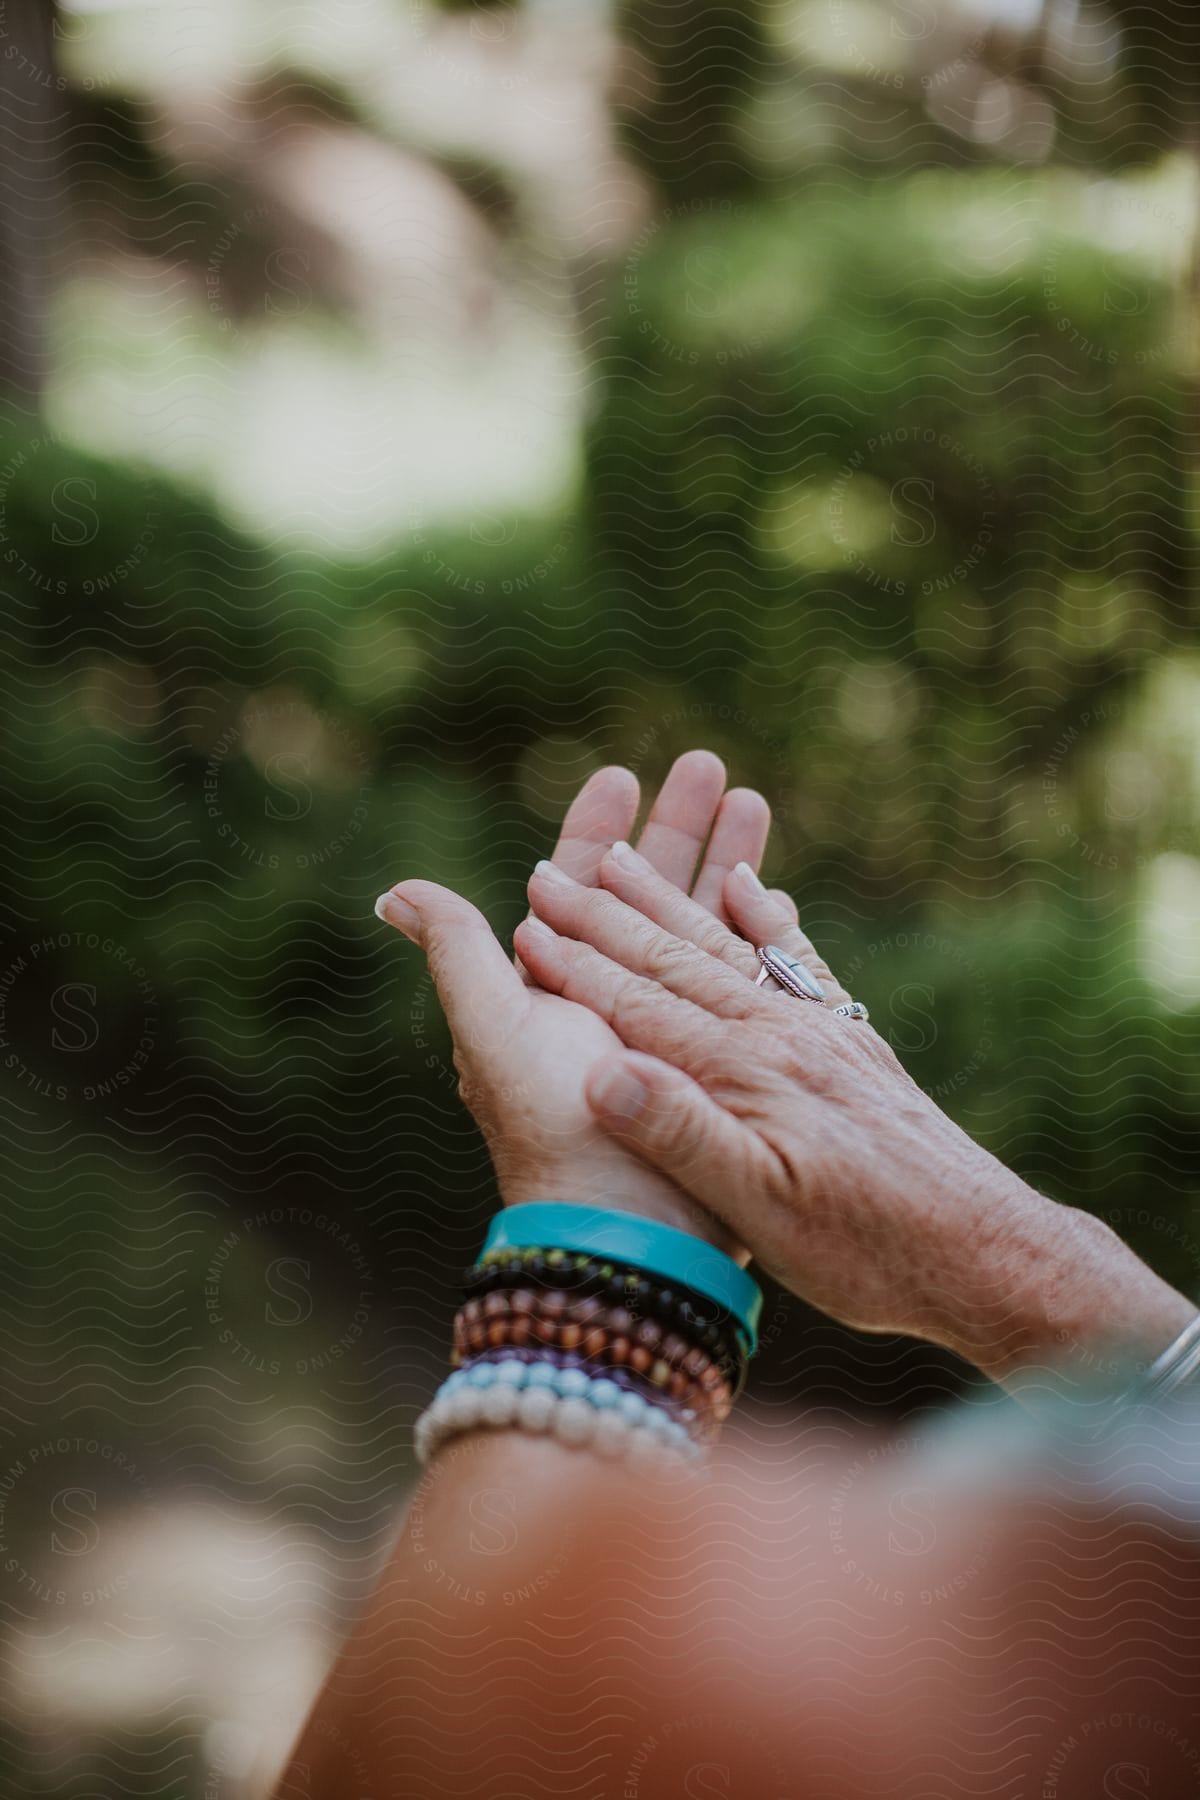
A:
[476, 982]
[668, 1120]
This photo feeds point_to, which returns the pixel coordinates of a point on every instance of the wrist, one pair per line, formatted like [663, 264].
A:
[1054, 1299]
[612, 1179]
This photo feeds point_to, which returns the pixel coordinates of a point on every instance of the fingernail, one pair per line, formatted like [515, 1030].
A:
[536, 929]
[394, 911]
[551, 872]
[621, 1094]
[749, 877]
[627, 857]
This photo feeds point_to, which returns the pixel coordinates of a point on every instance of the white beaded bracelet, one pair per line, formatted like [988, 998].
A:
[580, 1410]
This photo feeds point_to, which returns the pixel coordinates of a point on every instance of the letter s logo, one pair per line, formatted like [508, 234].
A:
[1120, 298]
[492, 1509]
[287, 291]
[296, 1785]
[286, 773]
[492, 24]
[490, 529]
[705, 270]
[75, 1509]
[707, 1781]
[75, 491]
[919, 1532]
[917, 527]
[66, 1003]
[912, 1009]
[1126, 1781]
[913, 23]
[295, 1294]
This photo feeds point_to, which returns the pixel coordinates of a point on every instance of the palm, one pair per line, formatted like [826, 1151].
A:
[555, 1044]
[526, 1053]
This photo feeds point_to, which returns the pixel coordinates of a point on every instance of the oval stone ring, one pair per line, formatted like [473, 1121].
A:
[792, 975]
[789, 973]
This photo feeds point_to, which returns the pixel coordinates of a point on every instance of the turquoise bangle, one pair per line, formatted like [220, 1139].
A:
[658, 1249]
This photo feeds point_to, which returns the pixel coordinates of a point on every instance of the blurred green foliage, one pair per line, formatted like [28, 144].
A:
[887, 496]
[858, 514]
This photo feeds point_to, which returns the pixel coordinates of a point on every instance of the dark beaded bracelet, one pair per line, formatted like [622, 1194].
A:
[621, 1286]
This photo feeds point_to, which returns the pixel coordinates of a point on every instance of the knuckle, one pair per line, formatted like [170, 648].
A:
[725, 1054]
[636, 1002]
[668, 958]
[712, 936]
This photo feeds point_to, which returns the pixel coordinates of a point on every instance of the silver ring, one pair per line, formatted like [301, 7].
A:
[789, 973]
[792, 975]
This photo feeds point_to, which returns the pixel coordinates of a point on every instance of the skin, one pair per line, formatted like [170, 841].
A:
[817, 1617]
[524, 1054]
[629, 1057]
[803, 1133]
[720, 1641]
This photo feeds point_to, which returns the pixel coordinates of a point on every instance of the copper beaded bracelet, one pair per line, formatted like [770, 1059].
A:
[676, 1309]
[608, 1336]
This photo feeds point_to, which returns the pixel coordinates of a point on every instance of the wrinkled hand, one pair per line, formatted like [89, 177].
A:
[524, 1054]
[802, 1132]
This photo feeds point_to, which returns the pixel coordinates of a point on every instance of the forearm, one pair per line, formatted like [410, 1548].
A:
[1052, 1301]
[489, 1545]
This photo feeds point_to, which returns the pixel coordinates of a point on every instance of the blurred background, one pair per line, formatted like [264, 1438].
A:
[406, 409]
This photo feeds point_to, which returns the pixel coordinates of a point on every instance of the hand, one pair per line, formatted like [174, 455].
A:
[523, 1055]
[801, 1131]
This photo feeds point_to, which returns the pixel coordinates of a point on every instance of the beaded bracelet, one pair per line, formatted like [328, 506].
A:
[644, 1244]
[570, 1310]
[583, 1313]
[679, 1309]
[691, 1409]
[579, 1410]
[524, 1316]
[704, 1410]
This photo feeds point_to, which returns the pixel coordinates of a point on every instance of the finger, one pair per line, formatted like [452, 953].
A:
[764, 919]
[667, 1119]
[624, 935]
[641, 1012]
[681, 817]
[631, 878]
[739, 834]
[602, 811]
[481, 992]
[788, 904]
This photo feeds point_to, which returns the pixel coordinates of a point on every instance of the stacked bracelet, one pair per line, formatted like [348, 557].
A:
[641, 1244]
[581, 1411]
[601, 1328]
[691, 1411]
[678, 1309]
[611, 1338]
